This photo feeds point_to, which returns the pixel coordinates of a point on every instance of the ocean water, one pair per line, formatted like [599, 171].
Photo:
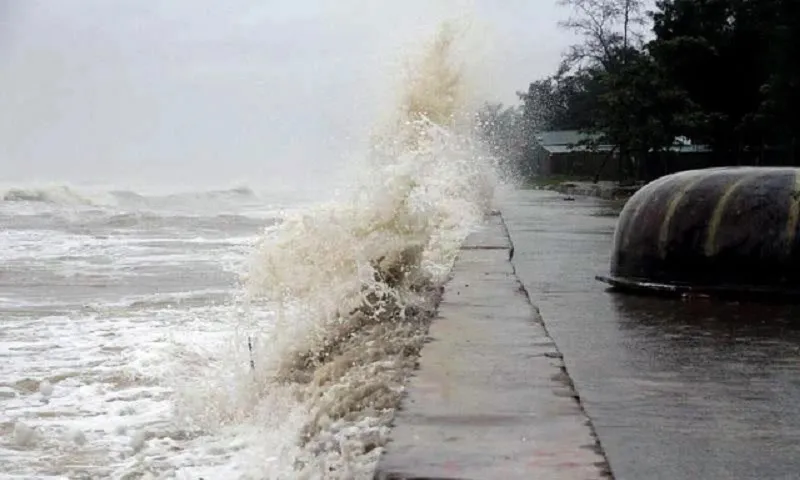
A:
[231, 334]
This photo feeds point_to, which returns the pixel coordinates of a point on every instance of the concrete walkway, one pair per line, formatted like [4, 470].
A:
[676, 389]
[491, 399]
[603, 189]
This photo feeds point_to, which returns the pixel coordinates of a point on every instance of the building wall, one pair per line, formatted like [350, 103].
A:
[576, 164]
[580, 164]
[588, 164]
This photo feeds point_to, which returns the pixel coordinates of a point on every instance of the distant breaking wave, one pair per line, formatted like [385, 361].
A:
[60, 195]
[72, 196]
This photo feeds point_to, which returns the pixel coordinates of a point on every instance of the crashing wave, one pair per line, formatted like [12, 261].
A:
[354, 285]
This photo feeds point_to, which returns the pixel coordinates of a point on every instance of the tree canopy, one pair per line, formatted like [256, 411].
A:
[721, 73]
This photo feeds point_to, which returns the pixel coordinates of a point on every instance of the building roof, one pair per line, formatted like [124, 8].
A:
[565, 141]
[576, 148]
[689, 148]
[562, 137]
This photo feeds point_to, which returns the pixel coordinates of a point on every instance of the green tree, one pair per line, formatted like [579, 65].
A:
[779, 113]
[568, 100]
[607, 57]
[724, 73]
[640, 110]
[606, 27]
[715, 51]
[561, 102]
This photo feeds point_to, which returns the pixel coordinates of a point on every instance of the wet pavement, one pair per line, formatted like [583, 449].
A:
[490, 399]
[676, 389]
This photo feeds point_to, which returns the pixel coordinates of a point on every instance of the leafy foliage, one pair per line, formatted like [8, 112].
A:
[722, 73]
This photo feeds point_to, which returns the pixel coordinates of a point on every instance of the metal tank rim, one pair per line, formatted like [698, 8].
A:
[628, 285]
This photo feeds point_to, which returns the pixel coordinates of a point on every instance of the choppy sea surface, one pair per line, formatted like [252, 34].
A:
[100, 296]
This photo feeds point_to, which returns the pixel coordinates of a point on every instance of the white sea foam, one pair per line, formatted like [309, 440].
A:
[150, 375]
[353, 284]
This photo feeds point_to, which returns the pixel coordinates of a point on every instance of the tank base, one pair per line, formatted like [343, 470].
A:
[683, 290]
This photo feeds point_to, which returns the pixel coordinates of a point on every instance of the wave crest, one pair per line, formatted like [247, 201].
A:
[61, 195]
[354, 285]
[70, 196]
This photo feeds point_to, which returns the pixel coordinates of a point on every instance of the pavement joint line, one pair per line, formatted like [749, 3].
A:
[558, 354]
[506, 409]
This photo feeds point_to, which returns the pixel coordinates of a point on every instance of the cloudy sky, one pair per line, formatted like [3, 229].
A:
[213, 92]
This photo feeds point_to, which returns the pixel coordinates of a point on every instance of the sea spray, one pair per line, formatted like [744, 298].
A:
[351, 287]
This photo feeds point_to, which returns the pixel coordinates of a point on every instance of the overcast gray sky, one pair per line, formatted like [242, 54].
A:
[217, 92]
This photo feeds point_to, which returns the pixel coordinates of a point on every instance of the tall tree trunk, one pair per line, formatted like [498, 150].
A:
[626, 22]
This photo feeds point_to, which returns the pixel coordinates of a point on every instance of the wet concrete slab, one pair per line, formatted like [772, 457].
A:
[676, 389]
[493, 236]
[491, 399]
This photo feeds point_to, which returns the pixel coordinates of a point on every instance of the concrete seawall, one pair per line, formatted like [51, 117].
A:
[491, 398]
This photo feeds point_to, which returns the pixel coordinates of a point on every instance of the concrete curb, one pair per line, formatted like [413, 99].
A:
[492, 397]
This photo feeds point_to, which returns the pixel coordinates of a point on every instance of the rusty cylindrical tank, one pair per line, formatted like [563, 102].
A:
[717, 230]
